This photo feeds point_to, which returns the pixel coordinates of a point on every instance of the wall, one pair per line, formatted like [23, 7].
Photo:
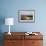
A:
[9, 8]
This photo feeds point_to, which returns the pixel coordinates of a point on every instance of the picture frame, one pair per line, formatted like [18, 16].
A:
[26, 16]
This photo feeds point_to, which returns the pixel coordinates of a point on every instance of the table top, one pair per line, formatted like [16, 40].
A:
[22, 35]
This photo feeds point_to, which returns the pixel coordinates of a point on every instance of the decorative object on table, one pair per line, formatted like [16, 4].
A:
[26, 16]
[30, 33]
[9, 21]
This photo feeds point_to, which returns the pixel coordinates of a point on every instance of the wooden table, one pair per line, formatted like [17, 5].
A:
[20, 39]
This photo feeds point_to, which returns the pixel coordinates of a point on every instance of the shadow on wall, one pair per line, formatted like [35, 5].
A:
[2, 21]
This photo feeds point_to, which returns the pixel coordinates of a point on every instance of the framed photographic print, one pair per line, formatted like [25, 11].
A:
[26, 16]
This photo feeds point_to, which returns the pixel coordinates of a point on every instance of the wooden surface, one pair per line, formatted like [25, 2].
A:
[20, 39]
[33, 43]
